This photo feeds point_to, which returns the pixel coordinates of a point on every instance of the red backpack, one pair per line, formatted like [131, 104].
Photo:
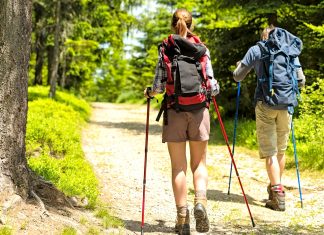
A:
[187, 85]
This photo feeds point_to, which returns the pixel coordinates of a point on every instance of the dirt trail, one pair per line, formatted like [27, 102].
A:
[114, 144]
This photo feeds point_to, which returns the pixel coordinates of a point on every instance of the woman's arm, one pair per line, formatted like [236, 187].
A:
[160, 78]
[210, 74]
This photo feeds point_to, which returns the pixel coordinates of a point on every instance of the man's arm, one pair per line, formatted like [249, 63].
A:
[244, 66]
[300, 74]
[240, 72]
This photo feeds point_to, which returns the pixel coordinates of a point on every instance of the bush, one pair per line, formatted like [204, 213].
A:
[79, 105]
[245, 133]
[309, 127]
[53, 143]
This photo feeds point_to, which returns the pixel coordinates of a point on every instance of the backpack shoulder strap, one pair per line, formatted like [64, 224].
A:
[264, 50]
[266, 55]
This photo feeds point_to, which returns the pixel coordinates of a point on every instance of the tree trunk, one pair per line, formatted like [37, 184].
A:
[40, 50]
[56, 52]
[15, 35]
[62, 82]
[50, 50]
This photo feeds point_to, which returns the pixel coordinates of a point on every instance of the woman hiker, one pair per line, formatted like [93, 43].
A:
[184, 71]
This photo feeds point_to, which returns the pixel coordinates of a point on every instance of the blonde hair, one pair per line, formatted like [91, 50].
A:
[266, 31]
[182, 22]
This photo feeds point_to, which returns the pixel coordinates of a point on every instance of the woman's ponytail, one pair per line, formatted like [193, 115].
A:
[182, 22]
[181, 27]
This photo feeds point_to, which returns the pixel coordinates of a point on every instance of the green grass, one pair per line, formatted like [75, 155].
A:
[53, 142]
[245, 133]
[5, 230]
[93, 231]
[69, 231]
[108, 221]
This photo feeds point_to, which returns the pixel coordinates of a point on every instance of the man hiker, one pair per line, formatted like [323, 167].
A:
[279, 74]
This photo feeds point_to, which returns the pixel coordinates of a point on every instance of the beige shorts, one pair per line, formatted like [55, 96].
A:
[182, 126]
[273, 127]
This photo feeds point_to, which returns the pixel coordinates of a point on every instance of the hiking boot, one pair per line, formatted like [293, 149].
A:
[270, 192]
[182, 226]
[202, 222]
[277, 202]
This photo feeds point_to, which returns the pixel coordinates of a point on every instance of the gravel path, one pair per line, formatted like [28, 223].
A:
[114, 144]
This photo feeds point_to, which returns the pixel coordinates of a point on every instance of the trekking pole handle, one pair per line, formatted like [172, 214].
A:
[148, 89]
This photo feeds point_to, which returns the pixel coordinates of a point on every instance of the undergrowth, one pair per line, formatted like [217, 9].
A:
[53, 142]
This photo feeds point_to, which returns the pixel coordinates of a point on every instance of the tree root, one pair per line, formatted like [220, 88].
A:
[46, 193]
[41, 204]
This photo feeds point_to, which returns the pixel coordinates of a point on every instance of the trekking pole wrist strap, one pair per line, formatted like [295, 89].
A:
[148, 92]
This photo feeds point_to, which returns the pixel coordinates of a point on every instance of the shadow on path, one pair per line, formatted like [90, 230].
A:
[264, 228]
[217, 195]
[136, 127]
[160, 227]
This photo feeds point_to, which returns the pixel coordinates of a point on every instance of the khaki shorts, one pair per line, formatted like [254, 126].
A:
[182, 126]
[273, 127]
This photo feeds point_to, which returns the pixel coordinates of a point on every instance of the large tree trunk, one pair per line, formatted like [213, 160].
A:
[15, 34]
[56, 51]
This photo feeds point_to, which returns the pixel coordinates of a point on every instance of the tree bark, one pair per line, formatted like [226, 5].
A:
[49, 63]
[62, 82]
[56, 51]
[15, 36]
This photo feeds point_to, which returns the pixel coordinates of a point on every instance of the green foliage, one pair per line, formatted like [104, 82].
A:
[108, 220]
[309, 127]
[93, 231]
[79, 105]
[69, 231]
[5, 230]
[91, 40]
[245, 133]
[229, 28]
[53, 143]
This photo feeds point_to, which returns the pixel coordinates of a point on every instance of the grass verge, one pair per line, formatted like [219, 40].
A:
[53, 142]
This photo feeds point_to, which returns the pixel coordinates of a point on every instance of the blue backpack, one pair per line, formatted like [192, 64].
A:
[278, 86]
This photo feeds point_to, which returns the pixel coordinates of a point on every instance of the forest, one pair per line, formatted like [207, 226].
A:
[106, 51]
[63, 60]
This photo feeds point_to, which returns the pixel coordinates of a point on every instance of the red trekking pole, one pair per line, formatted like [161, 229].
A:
[231, 154]
[145, 158]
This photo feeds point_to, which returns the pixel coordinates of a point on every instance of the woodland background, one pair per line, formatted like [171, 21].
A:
[107, 51]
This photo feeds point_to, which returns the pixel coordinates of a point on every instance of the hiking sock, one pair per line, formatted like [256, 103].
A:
[277, 188]
[200, 197]
[182, 210]
[277, 201]
[183, 221]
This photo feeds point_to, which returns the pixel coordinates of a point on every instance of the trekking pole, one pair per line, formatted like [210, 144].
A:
[231, 154]
[145, 156]
[296, 162]
[234, 135]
